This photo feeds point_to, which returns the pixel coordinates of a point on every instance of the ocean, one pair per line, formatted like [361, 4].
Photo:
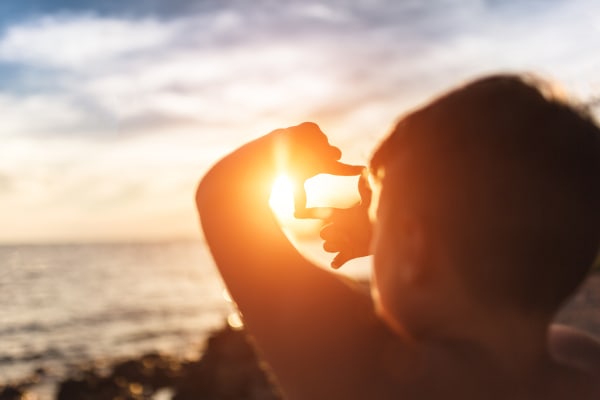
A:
[65, 306]
[68, 305]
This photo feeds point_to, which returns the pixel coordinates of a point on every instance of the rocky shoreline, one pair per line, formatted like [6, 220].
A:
[228, 369]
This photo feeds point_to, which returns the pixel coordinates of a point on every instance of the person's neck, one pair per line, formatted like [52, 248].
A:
[513, 344]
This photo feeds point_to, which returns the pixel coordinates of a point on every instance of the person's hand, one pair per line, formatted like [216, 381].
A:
[302, 152]
[347, 231]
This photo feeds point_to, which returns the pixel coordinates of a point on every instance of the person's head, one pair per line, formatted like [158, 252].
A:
[497, 182]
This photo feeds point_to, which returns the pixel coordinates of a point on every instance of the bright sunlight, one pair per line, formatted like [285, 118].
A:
[321, 190]
[282, 198]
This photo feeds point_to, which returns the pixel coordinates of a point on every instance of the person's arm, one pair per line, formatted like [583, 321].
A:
[317, 330]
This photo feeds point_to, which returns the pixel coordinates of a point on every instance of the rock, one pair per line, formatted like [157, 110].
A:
[153, 371]
[98, 388]
[227, 370]
[12, 393]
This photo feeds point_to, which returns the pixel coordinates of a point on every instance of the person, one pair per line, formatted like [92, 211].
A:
[485, 219]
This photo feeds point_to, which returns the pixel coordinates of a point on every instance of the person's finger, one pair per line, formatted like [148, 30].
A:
[341, 259]
[311, 134]
[364, 189]
[334, 153]
[308, 128]
[341, 169]
[332, 246]
[334, 232]
[327, 231]
[323, 213]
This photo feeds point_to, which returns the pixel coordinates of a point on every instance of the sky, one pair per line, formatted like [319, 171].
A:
[110, 111]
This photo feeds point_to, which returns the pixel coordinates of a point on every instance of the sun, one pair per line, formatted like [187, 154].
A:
[322, 191]
[282, 198]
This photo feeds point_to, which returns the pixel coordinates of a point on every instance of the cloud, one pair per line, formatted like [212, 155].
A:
[243, 63]
[80, 43]
[113, 118]
[5, 182]
[238, 64]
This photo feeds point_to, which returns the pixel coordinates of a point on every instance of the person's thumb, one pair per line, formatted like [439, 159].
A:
[341, 169]
[340, 259]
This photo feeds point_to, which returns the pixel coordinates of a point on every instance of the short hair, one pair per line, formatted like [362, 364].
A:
[507, 176]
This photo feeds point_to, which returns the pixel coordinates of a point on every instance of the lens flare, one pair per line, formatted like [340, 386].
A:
[282, 198]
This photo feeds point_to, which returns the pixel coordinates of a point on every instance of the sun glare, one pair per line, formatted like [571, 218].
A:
[282, 198]
[322, 191]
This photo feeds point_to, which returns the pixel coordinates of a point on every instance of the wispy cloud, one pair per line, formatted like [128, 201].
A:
[82, 43]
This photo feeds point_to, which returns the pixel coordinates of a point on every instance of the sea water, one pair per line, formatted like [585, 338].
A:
[66, 305]
[70, 305]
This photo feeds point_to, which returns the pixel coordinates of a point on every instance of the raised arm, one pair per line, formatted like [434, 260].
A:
[313, 327]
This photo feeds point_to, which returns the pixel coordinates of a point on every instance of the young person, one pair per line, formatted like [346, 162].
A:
[485, 219]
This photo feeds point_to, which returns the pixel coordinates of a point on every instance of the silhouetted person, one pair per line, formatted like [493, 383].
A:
[485, 217]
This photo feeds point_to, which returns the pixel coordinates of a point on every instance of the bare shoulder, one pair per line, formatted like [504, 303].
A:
[575, 348]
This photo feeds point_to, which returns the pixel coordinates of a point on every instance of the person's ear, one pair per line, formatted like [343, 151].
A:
[414, 250]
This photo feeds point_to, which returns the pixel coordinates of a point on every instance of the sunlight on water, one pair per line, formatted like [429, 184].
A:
[69, 304]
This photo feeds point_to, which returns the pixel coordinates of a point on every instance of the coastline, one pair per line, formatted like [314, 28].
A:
[227, 367]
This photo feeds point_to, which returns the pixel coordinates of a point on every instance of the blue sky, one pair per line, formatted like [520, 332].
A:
[112, 110]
